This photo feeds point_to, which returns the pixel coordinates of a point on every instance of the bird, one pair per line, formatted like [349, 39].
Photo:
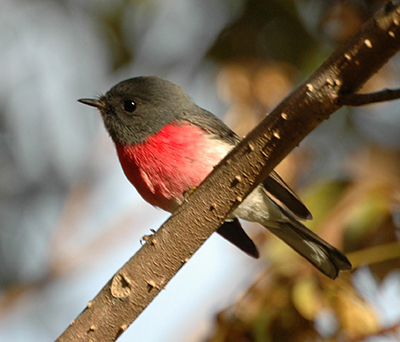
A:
[167, 145]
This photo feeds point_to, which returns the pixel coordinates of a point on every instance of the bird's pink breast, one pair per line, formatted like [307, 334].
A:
[167, 164]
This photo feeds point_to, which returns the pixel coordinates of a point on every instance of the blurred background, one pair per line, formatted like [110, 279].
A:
[69, 218]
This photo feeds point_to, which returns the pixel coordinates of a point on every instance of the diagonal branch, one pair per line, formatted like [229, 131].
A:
[136, 284]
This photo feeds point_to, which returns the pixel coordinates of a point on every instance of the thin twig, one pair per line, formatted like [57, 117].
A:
[356, 100]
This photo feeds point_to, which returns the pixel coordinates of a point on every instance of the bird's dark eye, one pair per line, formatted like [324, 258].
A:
[129, 106]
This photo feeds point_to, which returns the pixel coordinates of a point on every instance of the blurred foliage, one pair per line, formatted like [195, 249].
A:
[285, 308]
[111, 19]
[276, 34]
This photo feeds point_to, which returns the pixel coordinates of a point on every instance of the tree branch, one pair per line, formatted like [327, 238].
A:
[135, 285]
[364, 99]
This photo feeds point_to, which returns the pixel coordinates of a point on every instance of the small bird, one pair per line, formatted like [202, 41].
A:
[167, 145]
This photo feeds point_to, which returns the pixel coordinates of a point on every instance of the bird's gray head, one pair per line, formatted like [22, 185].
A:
[139, 107]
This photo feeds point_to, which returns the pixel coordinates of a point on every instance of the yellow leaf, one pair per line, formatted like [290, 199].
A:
[306, 297]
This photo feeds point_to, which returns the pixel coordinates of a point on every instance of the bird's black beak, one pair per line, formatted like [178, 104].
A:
[98, 103]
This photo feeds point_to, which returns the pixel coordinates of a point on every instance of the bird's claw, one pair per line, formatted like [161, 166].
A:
[191, 190]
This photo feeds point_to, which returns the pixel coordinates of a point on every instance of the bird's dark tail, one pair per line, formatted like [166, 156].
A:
[321, 254]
